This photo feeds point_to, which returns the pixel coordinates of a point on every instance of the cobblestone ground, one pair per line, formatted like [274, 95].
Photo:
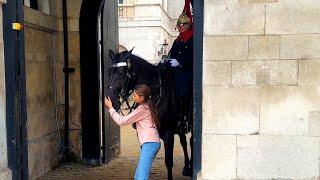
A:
[119, 168]
[122, 167]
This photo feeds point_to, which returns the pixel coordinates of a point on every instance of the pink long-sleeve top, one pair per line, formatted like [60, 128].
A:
[146, 129]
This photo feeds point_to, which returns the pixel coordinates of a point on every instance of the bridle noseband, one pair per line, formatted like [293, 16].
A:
[120, 64]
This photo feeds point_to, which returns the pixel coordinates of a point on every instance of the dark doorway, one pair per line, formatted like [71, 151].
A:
[99, 137]
[90, 85]
[16, 114]
[34, 4]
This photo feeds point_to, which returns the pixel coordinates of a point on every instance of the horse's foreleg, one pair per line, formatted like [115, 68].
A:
[168, 140]
[183, 141]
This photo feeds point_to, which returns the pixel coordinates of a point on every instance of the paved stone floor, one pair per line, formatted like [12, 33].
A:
[119, 168]
[122, 167]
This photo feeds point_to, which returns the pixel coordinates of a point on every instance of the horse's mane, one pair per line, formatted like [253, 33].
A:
[142, 61]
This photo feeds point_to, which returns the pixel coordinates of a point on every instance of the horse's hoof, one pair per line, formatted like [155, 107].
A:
[186, 171]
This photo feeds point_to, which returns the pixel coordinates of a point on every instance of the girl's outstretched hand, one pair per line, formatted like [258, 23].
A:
[108, 102]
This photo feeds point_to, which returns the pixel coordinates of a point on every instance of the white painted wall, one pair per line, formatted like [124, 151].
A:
[175, 8]
[146, 41]
[147, 30]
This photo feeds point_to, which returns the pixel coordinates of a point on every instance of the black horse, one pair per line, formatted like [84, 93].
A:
[128, 70]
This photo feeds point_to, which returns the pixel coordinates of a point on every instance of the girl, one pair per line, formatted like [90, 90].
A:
[147, 123]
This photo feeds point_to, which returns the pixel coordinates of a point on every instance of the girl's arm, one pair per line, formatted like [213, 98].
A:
[134, 116]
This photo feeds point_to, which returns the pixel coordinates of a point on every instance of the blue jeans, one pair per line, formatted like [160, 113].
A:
[149, 150]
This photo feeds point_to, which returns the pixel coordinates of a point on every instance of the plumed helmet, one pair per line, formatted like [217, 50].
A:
[183, 19]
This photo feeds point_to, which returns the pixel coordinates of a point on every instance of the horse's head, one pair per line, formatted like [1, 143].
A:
[121, 77]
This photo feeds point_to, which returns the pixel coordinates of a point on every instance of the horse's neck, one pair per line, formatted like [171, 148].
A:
[145, 72]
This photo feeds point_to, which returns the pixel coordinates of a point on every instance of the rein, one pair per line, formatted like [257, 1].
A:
[125, 93]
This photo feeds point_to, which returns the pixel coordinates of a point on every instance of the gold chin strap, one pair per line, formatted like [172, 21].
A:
[129, 64]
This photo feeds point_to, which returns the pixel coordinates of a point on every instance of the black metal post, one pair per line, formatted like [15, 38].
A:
[66, 71]
[15, 80]
[197, 85]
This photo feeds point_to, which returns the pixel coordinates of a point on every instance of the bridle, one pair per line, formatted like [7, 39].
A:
[125, 90]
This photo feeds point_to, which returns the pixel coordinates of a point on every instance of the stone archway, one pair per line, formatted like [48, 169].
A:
[95, 39]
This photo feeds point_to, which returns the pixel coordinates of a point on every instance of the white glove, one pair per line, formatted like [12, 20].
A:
[174, 63]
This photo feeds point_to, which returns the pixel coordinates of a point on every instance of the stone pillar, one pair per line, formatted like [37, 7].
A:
[261, 110]
[5, 172]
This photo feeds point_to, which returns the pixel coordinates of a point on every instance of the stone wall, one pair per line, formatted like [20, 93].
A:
[261, 110]
[45, 85]
[42, 126]
[146, 28]
[146, 41]
[175, 8]
[74, 78]
[5, 173]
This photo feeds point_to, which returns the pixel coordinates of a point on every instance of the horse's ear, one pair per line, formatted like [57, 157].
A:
[126, 55]
[112, 55]
[131, 50]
